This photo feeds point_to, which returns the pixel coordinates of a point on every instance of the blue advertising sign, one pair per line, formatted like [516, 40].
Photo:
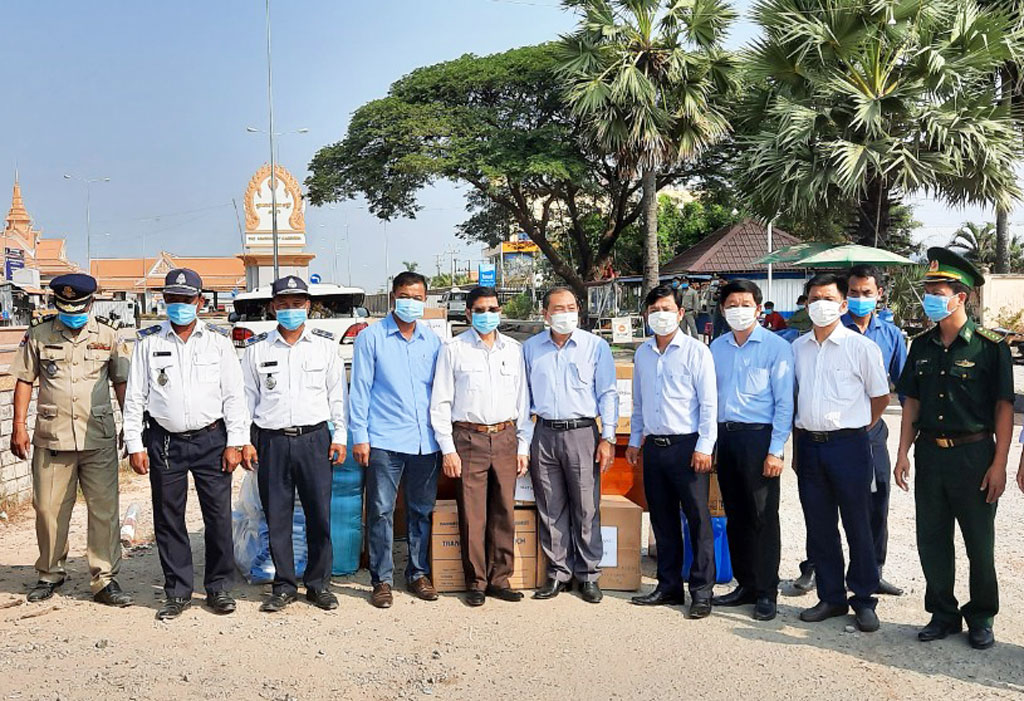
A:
[315, 278]
[487, 274]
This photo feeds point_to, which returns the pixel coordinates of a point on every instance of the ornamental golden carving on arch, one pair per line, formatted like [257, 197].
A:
[296, 220]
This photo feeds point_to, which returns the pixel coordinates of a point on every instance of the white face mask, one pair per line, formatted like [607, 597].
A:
[824, 311]
[565, 322]
[740, 318]
[663, 323]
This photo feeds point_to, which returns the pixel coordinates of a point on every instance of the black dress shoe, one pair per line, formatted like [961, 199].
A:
[42, 591]
[475, 597]
[220, 602]
[981, 638]
[740, 596]
[591, 593]
[321, 598]
[111, 595]
[551, 589]
[866, 620]
[937, 630]
[823, 611]
[504, 593]
[700, 608]
[888, 589]
[805, 582]
[173, 608]
[278, 601]
[765, 609]
[659, 597]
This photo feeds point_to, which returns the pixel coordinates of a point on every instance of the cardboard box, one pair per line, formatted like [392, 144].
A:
[624, 386]
[715, 504]
[529, 568]
[621, 522]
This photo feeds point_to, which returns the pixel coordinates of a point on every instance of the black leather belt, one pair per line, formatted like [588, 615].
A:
[665, 441]
[738, 426]
[826, 436]
[953, 440]
[293, 431]
[567, 424]
[188, 435]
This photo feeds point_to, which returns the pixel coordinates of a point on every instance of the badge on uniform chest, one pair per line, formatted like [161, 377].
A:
[161, 379]
[51, 369]
[271, 381]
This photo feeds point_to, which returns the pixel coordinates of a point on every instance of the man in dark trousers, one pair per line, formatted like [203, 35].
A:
[294, 387]
[842, 390]
[958, 415]
[674, 419]
[185, 413]
[754, 368]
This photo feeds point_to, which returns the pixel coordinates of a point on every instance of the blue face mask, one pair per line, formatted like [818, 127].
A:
[485, 322]
[181, 313]
[800, 306]
[936, 307]
[684, 285]
[73, 321]
[675, 285]
[409, 310]
[291, 319]
[861, 306]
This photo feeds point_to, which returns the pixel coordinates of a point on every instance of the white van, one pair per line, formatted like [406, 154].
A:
[333, 308]
[454, 301]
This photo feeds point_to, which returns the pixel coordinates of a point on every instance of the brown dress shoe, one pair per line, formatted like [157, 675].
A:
[423, 588]
[381, 596]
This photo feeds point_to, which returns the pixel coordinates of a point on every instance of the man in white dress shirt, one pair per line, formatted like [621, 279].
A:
[842, 390]
[675, 414]
[294, 386]
[480, 413]
[185, 412]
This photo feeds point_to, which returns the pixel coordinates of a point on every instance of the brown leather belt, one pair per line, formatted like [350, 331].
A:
[954, 441]
[484, 428]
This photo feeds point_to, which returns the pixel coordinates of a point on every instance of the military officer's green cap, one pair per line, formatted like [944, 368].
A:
[946, 266]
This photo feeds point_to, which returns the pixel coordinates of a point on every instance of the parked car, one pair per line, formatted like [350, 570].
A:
[333, 308]
[454, 300]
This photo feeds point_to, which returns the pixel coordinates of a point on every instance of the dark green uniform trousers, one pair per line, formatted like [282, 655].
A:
[947, 490]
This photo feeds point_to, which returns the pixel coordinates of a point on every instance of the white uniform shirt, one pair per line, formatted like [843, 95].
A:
[675, 392]
[837, 379]
[480, 385]
[301, 385]
[202, 383]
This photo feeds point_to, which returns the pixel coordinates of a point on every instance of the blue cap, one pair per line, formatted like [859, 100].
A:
[183, 281]
[290, 285]
[73, 293]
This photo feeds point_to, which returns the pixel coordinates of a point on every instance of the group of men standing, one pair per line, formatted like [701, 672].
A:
[485, 410]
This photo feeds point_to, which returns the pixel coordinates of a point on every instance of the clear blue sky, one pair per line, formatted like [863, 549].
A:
[156, 96]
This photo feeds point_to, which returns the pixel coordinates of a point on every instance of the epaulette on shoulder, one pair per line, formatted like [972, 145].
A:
[255, 339]
[991, 335]
[323, 334]
[109, 322]
[148, 331]
[219, 329]
[39, 320]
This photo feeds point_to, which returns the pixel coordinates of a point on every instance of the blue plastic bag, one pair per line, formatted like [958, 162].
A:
[723, 562]
[347, 515]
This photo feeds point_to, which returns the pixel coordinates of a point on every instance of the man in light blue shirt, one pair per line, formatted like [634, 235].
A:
[572, 381]
[755, 416]
[675, 418]
[389, 407]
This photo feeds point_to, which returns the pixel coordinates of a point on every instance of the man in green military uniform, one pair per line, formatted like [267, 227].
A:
[958, 413]
[74, 356]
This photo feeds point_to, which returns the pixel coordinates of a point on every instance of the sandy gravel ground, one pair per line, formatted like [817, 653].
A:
[70, 648]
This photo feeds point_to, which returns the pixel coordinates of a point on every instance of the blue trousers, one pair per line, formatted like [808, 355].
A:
[834, 480]
[383, 476]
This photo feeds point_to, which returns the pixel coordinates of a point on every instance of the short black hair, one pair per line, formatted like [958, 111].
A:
[480, 293]
[770, 303]
[826, 279]
[867, 271]
[407, 279]
[802, 299]
[660, 292]
[557, 290]
[740, 285]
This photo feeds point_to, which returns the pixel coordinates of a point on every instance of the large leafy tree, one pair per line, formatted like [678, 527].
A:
[645, 77]
[868, 101]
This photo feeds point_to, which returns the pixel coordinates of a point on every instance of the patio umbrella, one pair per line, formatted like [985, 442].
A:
[791, 254]
[849, 255]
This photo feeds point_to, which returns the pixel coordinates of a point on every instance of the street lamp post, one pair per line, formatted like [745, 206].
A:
[88, 216]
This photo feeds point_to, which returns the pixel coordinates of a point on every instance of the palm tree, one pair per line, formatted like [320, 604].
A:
[410, 265]
[644, 77]
[976, 242]
[871, 100]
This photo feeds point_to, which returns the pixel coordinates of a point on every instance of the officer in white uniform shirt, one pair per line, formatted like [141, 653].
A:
[842, 390]
[294, 386]
[185, 412]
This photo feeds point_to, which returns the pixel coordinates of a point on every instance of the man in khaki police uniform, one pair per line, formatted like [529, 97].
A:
[75, 356]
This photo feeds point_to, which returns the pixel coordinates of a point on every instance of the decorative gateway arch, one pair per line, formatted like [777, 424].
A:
[258, 244]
